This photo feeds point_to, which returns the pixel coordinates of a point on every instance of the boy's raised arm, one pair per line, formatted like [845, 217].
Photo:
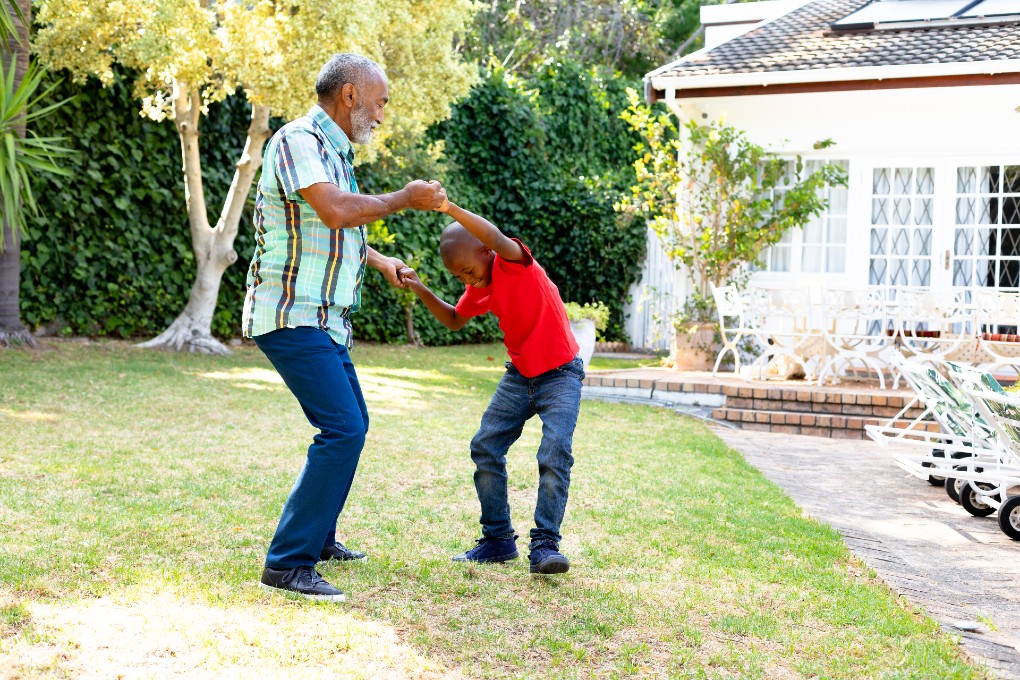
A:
[486, 232]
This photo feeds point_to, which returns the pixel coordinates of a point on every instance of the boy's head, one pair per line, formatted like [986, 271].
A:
[465, 256]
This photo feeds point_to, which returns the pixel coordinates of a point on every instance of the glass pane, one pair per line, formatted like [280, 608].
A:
[878, 241]
[879, 211]
[836, 260]
[965, 210]
[813, 232]
[902, 183]
[880, 181]
[837, 230]
[963, 242]
[901, 243]
[837, 201]
[901, 211]
[812, 258]
[780, 259]
[926, 181]
[922, 242]
[966, 180]
[922, 210]
[1011, 179]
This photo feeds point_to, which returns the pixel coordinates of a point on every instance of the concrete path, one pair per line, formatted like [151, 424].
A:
[956, 567]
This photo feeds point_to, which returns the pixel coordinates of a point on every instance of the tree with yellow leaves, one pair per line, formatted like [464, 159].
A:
[190, 53]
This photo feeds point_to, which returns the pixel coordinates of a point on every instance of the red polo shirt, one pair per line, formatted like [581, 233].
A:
[535, 328]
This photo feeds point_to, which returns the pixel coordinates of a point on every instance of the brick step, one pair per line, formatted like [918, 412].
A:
[863, 406]
[817, 424]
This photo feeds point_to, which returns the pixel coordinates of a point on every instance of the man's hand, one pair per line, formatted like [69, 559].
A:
[387, 266]
[425, 194]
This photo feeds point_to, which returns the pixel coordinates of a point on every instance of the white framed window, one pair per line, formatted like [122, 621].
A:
[902, 219]
[986, 235]
[820, 246]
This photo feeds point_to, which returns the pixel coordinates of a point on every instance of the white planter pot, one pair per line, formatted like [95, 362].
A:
[584, 333]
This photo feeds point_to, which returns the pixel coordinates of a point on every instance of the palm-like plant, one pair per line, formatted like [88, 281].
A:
[22, 153]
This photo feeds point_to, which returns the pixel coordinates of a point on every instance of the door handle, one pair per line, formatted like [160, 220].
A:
[947, 259]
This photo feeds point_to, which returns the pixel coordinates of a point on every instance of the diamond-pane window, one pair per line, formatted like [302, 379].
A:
[902, 199]
[988, 212]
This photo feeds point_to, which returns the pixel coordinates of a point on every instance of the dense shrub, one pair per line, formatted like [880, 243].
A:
[111, 254]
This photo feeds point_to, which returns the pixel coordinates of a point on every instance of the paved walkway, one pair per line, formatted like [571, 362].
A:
[961, 569]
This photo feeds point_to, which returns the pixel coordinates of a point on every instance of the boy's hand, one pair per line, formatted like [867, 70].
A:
[425, 194]
[410, 279]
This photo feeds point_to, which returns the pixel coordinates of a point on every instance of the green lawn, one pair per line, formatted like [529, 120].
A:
[138, 492]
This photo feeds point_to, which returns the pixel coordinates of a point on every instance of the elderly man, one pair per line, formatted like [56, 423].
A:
[303, 285]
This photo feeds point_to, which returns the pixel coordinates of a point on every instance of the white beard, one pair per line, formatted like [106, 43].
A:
[362, 125]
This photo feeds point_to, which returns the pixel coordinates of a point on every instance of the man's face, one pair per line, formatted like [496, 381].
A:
[369, 105]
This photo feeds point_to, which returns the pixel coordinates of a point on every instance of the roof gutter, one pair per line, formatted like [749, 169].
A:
[660, 86]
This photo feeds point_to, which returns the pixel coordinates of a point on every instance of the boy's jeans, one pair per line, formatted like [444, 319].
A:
[556, 397]
[320, 374]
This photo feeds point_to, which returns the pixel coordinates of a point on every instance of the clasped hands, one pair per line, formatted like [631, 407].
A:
[424, 194]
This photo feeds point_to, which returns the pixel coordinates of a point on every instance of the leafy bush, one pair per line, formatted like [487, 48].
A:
[596, 311]
[111, 252]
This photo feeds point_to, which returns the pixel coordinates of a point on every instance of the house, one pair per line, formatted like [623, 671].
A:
[922, 100]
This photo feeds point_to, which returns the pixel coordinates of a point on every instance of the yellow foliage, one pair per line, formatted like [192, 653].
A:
[272, 50]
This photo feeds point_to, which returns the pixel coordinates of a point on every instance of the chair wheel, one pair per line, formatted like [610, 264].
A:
[971, 501]
[1009, 517]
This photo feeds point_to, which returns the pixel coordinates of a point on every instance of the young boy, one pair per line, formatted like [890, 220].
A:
[542, 377]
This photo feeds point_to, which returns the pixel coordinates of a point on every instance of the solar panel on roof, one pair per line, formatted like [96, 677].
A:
[993, 8]
[899, 11]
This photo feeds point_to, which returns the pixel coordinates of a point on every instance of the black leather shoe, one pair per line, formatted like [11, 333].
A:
[303, 581]
[339, 552]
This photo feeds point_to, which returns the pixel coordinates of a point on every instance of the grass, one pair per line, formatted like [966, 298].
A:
[603, 362]
[139, 490]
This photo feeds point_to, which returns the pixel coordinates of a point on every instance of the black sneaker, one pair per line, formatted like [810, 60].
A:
[303, 581]
[490, 550]
[547, 559]
[341, 553]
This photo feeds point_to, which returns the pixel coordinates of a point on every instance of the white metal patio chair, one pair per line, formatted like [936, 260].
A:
[854, 324]
[734, 323]
[784, 323]
[934, 327]
[996, 319]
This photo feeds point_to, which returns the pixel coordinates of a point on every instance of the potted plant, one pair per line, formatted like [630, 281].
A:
[717, 201]
[584, 321]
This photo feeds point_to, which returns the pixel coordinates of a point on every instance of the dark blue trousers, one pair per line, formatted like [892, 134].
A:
[321, 376]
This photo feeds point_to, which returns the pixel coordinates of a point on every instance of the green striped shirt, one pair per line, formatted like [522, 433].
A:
[302, 272]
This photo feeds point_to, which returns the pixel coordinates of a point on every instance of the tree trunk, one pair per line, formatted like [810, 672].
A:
[12, 331]
[412, 335]
[213, 246]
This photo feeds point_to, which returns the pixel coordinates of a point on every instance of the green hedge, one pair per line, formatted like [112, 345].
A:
[111, 254]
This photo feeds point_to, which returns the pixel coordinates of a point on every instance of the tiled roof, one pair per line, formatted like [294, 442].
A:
[802, 40]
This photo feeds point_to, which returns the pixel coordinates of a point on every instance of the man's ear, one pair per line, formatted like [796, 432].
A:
[348, 95]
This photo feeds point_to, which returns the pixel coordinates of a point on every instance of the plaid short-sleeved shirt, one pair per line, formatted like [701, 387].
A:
[302, 272]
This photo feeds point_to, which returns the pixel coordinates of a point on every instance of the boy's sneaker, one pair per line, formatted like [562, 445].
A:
[547, 559]
[303, 581]
[490, 550]
[341, 553]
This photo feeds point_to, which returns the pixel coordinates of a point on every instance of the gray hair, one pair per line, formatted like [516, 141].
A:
[344, 68]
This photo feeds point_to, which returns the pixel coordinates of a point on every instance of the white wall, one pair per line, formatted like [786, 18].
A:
[946, 120]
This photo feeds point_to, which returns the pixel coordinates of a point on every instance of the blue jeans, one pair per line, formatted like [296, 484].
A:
[555, 396]
[320, 374]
